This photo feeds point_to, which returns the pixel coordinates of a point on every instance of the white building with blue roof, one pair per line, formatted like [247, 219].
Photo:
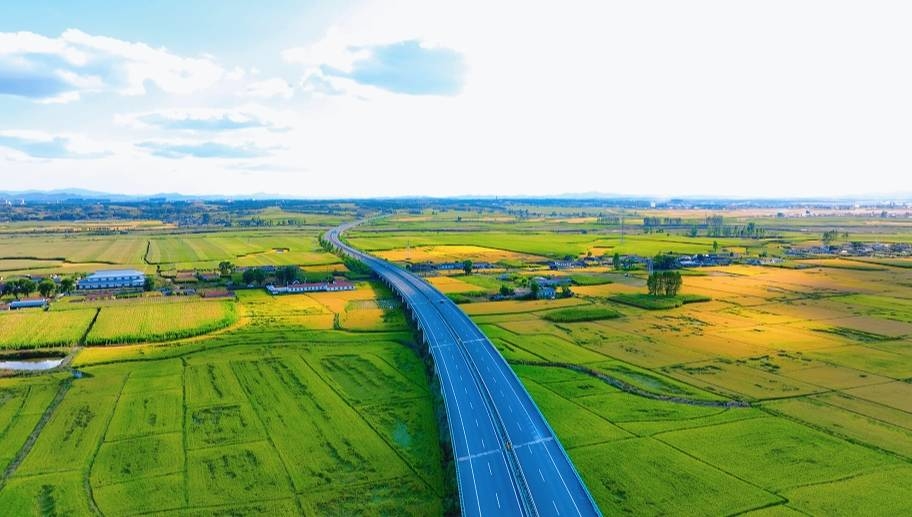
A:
[112, 279]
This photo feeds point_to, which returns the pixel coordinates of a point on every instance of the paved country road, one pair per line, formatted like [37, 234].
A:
[508, 459]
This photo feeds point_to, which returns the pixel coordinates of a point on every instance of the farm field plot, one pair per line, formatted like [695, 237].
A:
[21, 406]
[846, 423]
[160, 322]
[787, 393]
[777, 454]
[77, 249]
[244, 249]
[36, 329]
[455, 253]
[661, 481]
[885, 492]
[308, 420]
[447, 284]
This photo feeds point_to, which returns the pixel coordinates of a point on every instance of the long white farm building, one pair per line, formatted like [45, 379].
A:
[112, 279]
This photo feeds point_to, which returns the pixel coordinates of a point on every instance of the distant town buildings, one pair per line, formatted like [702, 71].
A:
[112, 279]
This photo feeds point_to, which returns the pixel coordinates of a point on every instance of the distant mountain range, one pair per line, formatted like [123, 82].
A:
[59, 195]
[55, 196]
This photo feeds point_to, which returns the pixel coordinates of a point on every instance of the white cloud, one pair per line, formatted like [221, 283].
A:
[269, 88]
[242, 118]
[45, 145]
[667, 98]
[60, 69]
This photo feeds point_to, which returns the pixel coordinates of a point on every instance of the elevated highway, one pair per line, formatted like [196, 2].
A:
[508, 459]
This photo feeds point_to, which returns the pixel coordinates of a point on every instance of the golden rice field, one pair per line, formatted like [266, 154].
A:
[823, 355]
[159, 321]
[448, 284]
[454, 253]
[36, 328]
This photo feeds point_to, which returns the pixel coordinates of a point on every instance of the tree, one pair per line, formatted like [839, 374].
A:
[535, 289]
[66, 285]
[671, 281]
[652, 284]
[506, 290]
[24, 286]
[288, 274]
[46, 287]
[259, 276]
[663, 262]
[616, 261]
[248, 276]
[566, 292]
[8, 289]
[829, 236]
[148, 284]
[664, 283]
[715, 246]
[467, 266]
[693, 231]
[226, 268]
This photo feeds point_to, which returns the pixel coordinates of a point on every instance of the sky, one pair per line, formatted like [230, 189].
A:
[360, 98]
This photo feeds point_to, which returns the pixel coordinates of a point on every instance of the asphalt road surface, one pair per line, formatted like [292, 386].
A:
[508, 459]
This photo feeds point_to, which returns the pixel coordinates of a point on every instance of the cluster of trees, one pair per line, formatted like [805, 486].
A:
[47, 287]
[226, 268]
[255, 276]
[715, 228]
[288, 274]
[662, 221]
[664, 283]
[830, 236]
[283, 276]
[664, 262]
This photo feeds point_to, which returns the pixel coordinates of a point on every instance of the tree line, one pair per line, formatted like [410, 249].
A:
[26, 286]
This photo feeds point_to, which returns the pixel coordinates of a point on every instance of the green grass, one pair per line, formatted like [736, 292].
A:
[308, 420]
[649, 302]
[582, 279]
[21, 406]
[882, 493]
[777, 454]
[46, 495]
[245, 472]
[582, 313]
[661, 481]
[859, 428]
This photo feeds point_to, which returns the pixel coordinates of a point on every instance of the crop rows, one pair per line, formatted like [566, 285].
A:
[160, 322]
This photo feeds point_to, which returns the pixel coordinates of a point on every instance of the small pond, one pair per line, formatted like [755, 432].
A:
[31, 364]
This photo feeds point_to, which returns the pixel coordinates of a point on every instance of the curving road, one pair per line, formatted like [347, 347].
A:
[508, 459]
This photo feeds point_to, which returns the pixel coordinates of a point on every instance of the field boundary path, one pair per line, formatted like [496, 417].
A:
[508, 459]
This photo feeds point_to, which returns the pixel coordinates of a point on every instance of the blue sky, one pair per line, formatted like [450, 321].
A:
[290, 97]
